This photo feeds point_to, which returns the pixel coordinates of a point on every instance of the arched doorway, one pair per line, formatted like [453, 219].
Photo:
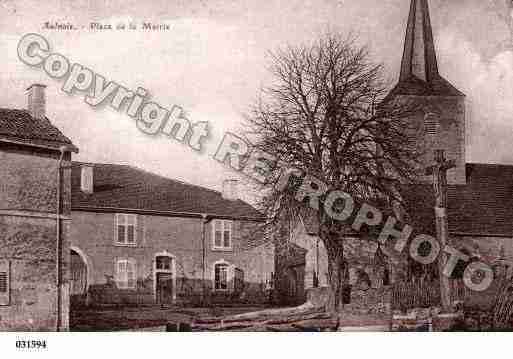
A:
[78, 278]
[165, 278]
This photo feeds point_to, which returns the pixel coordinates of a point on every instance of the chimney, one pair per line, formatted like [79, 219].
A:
[36, 103]
[86, 178]
[230, 191]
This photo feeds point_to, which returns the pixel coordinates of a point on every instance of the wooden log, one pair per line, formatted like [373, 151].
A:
[231, 323]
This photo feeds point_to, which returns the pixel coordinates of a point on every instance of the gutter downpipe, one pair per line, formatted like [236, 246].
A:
[58, 243]
[204, 254]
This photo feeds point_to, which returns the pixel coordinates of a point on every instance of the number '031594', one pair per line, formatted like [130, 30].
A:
[31, 344]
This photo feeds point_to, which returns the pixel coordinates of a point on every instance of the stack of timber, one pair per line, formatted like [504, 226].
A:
[303, 318]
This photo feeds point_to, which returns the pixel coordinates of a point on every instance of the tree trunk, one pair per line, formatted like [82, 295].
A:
[336, 271]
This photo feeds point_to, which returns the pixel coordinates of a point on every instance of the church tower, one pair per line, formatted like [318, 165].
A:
[440, 123]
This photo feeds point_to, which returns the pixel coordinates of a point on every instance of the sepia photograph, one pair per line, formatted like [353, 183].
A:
[254, 167]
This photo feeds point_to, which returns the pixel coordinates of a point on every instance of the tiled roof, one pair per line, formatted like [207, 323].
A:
[19, 126]
[484, 206]
[414, 86]
[126, 187]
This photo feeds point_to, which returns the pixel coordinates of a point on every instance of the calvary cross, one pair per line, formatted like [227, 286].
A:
[439, 172]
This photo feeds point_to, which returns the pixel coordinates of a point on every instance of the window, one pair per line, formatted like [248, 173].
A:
[163, 263]
[5, 283]
[222, 234]
[431, 124]
[125, 229]
[125, 274]
[221, 276]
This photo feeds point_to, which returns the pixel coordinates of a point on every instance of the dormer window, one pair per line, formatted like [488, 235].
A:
[431, 124]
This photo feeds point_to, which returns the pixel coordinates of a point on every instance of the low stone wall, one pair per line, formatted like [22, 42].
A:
[369, 301]
[109, 294]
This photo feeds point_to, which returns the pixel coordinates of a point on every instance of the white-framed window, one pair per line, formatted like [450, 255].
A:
[126, 273]
[5, 280]
[125, 229]
[222, 234]
[221, 276]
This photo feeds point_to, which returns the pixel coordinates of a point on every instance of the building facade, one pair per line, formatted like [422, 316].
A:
[35, 203]
[141, 238]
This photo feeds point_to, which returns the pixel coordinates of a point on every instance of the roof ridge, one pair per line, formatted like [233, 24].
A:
[151, 173]
[135, 195]
[174, 180]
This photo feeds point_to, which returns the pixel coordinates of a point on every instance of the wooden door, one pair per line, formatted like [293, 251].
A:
[165, 288]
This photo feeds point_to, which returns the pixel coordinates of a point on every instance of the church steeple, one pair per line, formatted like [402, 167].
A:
[419, 69]
[439, 122]
[419, 56]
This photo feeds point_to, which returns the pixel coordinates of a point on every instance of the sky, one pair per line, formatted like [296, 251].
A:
[212, 63]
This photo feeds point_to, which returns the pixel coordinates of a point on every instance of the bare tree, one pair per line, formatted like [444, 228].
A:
[324, 114]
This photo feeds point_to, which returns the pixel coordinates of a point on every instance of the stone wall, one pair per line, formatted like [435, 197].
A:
[29, 180]
[449, 111]
[28, 225]
[181, 238]
[290, 262]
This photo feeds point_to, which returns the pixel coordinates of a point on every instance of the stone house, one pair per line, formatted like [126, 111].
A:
[480, 196]
[35, 204]
[139, 238]
[290, 265]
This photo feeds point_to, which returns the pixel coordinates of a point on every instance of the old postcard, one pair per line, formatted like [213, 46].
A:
[249, 166]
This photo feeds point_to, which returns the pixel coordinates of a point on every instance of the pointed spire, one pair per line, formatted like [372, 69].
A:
[419, 57]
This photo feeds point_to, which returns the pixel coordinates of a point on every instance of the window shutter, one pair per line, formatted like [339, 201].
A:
[131, 274]
[121, 234]
[130, 228]
[120, 270]
[431, 124]
[139, 230]
[5, 282]
[117, 234]
[130, 234]
[227, 233]
[216, 276]
[217, 224]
